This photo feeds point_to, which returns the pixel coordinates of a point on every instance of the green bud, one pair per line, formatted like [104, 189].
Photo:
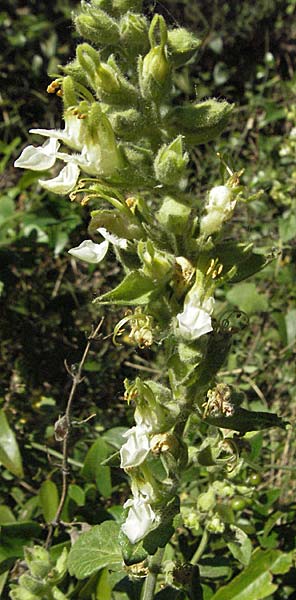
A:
[128, 124]
[38, 561]
[119, 223]
[98, 27]
[156, 264]
[101, 140]
[103, 4]
[206, 501]
[75, 71]
[215, 525]
[173, 215]
[19, 593]
[120, 7]
[69, 93]
[201, 122]
[170, 164]
[140, 164]
[182, 45]
[154, 68]
[134, 34]
[35, 586]
[106, 79]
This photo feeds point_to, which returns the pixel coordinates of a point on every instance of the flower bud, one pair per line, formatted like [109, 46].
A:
[219, 207]
[128, 124]
[170, 164]
[201, 122]
[122, 6]
[156, 264]
[69, 93]
[97, 26]
[35, 586]
[182, 45]
[154, 69]
[134, 34]
[173, 215]
[105, 78]
[122, 224]
[101, 145]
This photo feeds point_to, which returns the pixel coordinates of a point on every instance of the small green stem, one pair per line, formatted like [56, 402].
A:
[150, 581]
[201, 548]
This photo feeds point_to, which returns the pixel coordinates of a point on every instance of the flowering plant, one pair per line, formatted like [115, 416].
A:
[126, 146]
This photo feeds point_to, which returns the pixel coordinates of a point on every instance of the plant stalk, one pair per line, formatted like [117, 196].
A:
[151, 579]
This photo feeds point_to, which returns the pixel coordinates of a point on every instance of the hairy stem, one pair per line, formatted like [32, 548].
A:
[150, 581]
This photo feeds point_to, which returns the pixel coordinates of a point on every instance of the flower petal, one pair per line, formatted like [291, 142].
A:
[71, 135]
[90, 252]
[135, 450]
[38, 158]
[114, 239]
[64, 182]
[140, 519]
[195, 320]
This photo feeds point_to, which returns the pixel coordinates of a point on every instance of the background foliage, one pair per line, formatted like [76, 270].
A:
[247, 56]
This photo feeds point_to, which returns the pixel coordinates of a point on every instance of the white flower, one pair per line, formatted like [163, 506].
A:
[195, 320]
[90, 252]
[72, 135]
[219, 207]
[221, 198]
[140, 519]
[114, 239]
[38, 158]
[135, 450]
[64, 182]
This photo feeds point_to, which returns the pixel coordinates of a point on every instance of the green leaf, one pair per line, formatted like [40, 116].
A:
[136, 288]
[93, 470]
[287, 228]
[13, 538]
[10, 456]
[96, 549]
[242, 257]
[247, 298]
[290, 321]
[6, 516]
[104, 589]
[48, 500]
[240, 545]
[246, 420]
[77, 494]
[255, 582]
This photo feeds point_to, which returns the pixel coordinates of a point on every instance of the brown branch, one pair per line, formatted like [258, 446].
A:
[63, 430]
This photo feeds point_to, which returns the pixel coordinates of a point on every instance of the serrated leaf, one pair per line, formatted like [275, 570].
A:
[48, 500]
[255, 582]
[96, 549]
[136, 288]
[10, 456]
